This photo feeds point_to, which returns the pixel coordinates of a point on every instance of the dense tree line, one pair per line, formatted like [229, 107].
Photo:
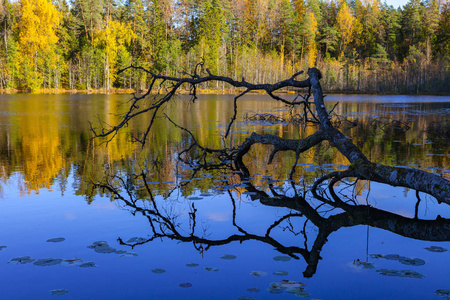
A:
[359, 45]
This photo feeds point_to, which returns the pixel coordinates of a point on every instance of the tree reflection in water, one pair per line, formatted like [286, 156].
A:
[329, 215]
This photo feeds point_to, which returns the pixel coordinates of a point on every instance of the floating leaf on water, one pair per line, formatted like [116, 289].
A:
[120, 252]
[56, 240]
[43, 262]
[185, 284]
[300, 293]
[281, 258]
[253, 290]
[392, 256]
[59, 292]
[104, 249]
[209, 269]
[436, 249]
[442, 293]
[412, 262]
[376, 256]
[275, 291]
[159, 271]
[400, 273]
[411, 274]
[128, 254]
[136, 240]
[192, 265]
[228, 256]
[363, 264]
[195, 198]
[2, 247]
[21, 260]
[258, 273]
[72, 261]
[280, 273]
[245, 298]
[206, 195]
[287, 284]
[88, 264]
[97, 244]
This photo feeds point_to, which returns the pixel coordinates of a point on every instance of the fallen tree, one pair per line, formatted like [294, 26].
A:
[360, 166]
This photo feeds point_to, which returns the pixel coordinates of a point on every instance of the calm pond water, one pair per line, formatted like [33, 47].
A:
[175, 231]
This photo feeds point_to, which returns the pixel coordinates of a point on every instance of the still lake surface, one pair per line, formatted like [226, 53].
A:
[205, 234]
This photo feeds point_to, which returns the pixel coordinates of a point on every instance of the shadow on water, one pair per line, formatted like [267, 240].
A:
[328, 213]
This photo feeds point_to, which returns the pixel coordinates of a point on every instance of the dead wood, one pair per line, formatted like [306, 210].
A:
[360, 166]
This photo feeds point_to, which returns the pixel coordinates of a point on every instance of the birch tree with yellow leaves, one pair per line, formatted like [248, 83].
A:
[346, 25]
[112, 40]
[37, 26]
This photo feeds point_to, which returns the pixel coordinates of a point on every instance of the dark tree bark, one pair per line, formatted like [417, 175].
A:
[360, 167]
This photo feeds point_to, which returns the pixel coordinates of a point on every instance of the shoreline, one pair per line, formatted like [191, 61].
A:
[199, 92]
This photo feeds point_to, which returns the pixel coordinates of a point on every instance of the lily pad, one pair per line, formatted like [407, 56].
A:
[185, 284]
[292, 287]
[21, 260]
[104, 249]
[2, 247]
[228, 257]
[59, 292]
[43, 262]
[136, 240]
[192, 265]
[389, 272]
[281, 258]
[258, 273]
[209, 269]
[98, 244]
[253, 290]
[412, 262]
[56, 240]
[120, 252]
[88, 264]
[376, 256]
[411, 274]
[392, 256]
[442, 293]
[287, 284]
[400, 273]
[128, 254]
[159, 271]
[436, 249]
[363, 264]
[72, 261]
[280, 273]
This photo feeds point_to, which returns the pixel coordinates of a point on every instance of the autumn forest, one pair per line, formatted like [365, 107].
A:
[360, 46]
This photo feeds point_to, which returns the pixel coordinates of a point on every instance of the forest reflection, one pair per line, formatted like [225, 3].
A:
[44, 139]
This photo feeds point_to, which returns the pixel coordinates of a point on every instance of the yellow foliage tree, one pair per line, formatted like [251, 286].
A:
[37, 26]
[310, 36]
[346, 24]
[113, 40]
